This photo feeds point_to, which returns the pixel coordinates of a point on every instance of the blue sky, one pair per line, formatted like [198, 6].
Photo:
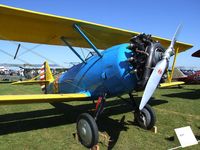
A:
[155, 17]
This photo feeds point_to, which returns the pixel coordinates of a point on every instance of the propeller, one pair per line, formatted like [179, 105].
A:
[158, 71]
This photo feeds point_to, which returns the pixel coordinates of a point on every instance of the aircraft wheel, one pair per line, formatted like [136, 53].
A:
[87, 130]
[146, 118]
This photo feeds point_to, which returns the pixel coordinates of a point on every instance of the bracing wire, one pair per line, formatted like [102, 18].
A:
[31, 50]
[23, 61]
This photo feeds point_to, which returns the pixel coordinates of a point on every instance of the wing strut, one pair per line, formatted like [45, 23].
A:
[173, 65]
[87, 39]
[17, 51]
[170, 75]
[65, 41]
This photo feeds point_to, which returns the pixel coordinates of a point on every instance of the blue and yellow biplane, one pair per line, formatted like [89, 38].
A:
[128, 61]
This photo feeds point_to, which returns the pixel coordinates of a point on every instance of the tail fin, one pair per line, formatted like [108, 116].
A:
[45, 75]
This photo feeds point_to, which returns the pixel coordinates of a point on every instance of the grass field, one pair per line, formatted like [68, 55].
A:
[51, 126]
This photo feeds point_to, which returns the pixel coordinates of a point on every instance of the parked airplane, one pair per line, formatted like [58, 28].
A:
[122, 68]
[189, 77]
[196, 54]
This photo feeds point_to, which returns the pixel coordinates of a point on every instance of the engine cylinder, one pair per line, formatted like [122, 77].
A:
[155, 51]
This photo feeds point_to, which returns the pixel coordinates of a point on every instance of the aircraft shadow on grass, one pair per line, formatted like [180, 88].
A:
[191, 95]
[67, 114]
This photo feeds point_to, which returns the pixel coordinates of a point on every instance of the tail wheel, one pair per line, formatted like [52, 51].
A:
[146, 118]
[87, 130]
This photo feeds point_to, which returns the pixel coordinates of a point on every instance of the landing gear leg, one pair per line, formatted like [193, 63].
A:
[99, 106]
[133, 103]
[86, 126]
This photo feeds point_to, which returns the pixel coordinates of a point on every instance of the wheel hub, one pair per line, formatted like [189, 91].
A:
[83, 131]
[142, 119]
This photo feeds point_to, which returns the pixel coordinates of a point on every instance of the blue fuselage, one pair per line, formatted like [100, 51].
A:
[99, 75]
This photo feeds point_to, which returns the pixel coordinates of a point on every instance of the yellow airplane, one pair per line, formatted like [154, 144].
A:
[120, 68]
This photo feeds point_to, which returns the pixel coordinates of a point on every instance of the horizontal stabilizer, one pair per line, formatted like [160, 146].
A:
[45, 78]
[41, 98]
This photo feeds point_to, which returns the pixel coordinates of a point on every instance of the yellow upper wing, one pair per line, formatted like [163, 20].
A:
[41, 98]
[29, 26]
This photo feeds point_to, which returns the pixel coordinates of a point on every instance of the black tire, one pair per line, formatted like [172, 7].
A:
[87, 130]
[146, 118]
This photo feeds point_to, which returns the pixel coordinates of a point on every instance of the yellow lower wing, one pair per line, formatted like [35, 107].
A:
[171, 84]
[30, 82]
[41, 98]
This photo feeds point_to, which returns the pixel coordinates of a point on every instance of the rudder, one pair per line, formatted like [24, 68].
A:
[45, 75]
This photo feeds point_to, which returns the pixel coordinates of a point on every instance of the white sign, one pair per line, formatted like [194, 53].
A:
[186, 136]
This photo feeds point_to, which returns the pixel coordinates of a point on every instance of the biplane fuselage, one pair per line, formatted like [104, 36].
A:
[107, 74]
[117, 70]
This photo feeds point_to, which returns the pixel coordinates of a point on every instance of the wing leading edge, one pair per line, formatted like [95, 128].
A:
[42, 98]
[29, 26]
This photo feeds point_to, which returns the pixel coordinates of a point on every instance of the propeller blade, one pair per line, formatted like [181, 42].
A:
[158, 71]
[174, 39]
[153, 82]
